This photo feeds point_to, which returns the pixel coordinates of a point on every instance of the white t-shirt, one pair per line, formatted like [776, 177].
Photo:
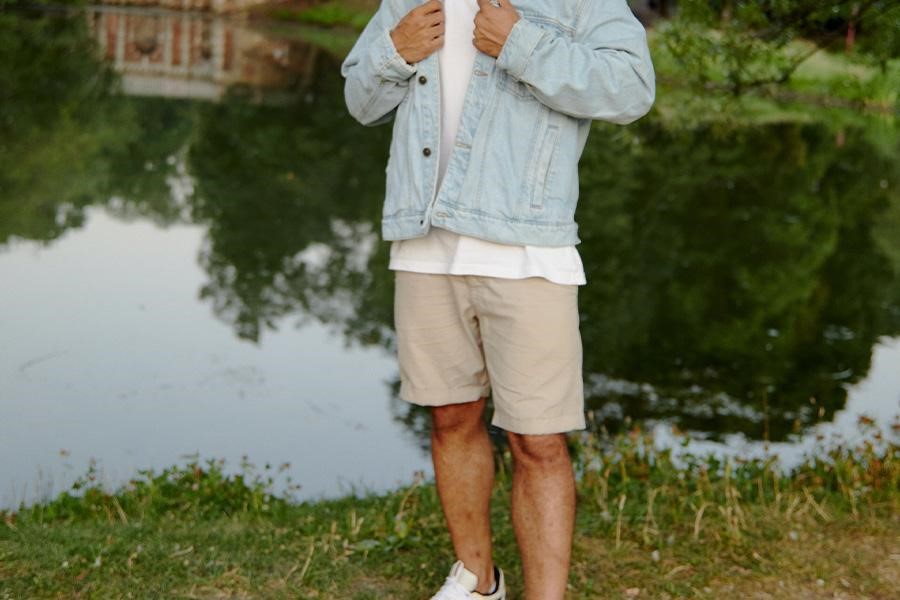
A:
[447, 252]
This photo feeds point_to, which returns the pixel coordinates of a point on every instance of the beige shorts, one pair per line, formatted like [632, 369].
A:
[462, 336]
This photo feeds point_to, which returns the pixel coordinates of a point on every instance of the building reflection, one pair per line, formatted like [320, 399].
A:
[184, 55]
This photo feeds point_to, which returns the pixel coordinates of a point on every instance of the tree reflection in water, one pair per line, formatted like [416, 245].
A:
[738, 277]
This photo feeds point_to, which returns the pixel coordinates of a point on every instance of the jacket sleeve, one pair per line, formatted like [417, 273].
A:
[376, 76]
[603, 73]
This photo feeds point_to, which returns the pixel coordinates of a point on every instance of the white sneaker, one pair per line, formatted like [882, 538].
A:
[461, 583]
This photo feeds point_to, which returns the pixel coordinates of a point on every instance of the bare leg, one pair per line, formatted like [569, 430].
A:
[543, 512]
[464, 473]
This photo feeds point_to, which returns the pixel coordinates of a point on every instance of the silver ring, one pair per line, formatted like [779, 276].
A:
[496, 3]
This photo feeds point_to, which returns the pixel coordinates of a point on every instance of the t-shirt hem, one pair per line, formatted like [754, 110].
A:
[487, 270]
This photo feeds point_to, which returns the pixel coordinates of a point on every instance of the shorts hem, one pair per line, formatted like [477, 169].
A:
[442, 396]
[559, 424]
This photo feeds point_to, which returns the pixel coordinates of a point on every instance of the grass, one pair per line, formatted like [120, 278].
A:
[649, 525]
[330, 13]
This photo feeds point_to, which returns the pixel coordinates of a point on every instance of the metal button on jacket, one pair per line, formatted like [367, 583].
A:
[426, 151]
[422, 79]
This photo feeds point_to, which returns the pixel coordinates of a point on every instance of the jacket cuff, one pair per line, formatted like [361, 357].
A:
[392, 66]
[518, 47]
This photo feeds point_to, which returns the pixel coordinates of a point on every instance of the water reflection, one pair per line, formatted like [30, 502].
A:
[736, 273]
[183, 55]
[738, 277]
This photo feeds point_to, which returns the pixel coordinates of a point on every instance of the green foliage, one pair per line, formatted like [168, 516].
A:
[725, 58]
[736, 45]
[608, 467]
[331, 13]
[632, 466]
[880, 33]
[194, 490]
[56, 119]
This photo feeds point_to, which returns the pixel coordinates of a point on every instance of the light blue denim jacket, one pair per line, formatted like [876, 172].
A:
[513, 174]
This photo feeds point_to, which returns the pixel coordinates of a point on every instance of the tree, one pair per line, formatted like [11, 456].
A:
[738, 45]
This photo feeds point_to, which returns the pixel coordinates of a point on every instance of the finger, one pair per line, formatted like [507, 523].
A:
[435, 24]
[437, 17]
[431, 6]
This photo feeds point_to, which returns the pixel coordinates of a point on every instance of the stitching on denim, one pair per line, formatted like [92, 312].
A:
[549, 225]
[579, 15]
[554, 23]
[531, 51]
[538, 194]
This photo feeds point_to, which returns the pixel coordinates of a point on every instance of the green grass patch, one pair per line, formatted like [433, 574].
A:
[648, 525]
[328, 14]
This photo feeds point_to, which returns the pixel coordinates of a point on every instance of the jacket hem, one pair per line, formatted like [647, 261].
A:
[492, 229]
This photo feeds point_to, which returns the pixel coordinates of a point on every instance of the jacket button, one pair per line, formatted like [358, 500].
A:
[426, 151]
[422, 79]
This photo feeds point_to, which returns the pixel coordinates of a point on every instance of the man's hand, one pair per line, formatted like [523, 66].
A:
[492, 26]
[420, 32]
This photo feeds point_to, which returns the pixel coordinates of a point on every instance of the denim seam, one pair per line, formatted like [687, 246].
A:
[533, 222]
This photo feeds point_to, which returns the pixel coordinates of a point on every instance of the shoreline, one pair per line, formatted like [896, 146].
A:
[646, 527]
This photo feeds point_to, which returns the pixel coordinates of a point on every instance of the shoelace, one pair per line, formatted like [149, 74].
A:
[452, 590]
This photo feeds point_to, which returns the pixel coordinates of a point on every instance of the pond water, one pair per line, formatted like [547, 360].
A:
[191, 260]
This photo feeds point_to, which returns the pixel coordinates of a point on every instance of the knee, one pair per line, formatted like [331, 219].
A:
[540, 451]
[456, 419]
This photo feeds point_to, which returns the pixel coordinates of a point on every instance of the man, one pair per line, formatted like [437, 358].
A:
[491, 106]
